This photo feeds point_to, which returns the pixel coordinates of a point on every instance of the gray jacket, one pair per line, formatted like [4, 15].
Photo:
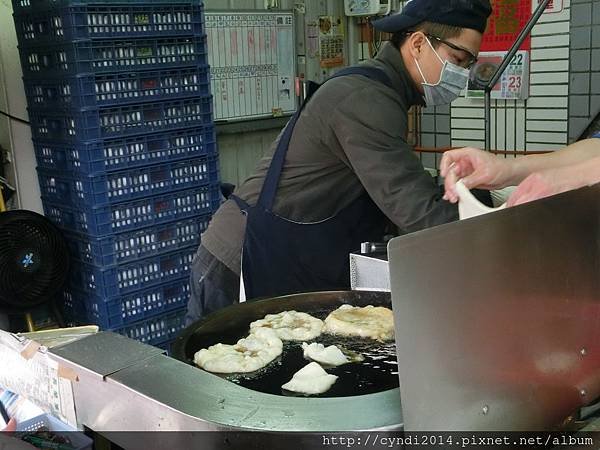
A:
[351, 137]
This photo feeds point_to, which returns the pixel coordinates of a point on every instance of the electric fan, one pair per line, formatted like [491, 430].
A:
[34, 261]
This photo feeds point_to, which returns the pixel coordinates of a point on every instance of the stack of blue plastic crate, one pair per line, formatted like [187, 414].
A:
[121, 114]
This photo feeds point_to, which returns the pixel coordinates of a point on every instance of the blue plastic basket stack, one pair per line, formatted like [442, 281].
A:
[120, 107]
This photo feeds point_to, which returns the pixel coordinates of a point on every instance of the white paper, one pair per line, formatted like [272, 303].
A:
[36, 379]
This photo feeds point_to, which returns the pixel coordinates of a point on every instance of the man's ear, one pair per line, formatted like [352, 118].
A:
[415, 44]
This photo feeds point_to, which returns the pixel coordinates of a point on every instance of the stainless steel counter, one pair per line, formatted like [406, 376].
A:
[125, 385]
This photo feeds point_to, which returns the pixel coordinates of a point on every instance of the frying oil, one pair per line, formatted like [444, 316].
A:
[378, 371]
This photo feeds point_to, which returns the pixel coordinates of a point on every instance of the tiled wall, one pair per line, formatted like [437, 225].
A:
[435, 132]
[584, 92]
[539, 123]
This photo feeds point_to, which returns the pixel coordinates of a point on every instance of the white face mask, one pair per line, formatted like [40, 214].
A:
[453, 79]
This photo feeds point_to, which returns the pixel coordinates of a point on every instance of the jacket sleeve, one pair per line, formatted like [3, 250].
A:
[371, 127]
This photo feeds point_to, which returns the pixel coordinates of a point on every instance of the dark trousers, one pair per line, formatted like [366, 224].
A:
[213, 286]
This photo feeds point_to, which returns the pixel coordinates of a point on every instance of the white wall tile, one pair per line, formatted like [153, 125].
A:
[553, 125]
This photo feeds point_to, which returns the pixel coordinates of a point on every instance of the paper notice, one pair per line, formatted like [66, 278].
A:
[29, 371]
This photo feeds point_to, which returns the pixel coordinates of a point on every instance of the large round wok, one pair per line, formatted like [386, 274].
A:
[230, 324]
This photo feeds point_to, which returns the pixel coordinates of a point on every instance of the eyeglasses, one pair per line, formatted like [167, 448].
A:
[472, 59]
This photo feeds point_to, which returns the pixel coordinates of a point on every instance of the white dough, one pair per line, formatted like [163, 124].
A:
[291, 325]
[311, 380]
[469, 206]
[248, 355]
[374, 322]
[331, 356]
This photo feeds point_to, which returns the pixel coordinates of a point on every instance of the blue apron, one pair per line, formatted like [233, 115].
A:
[280, 256]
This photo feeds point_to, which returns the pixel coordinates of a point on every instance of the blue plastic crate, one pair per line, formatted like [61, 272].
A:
[92, 91]
[74, 309]
[112, 56]
[43, 24]
[121, 279]
[157, 330]
[76, 440]
[126, 309]
[153, 330]
[133, 245]
[166, 346]
[98, 157]
[127, 185]
[127, 216]
[120, 121]
[28, 6]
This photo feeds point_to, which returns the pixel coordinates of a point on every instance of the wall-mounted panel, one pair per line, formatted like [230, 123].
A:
[252, 60]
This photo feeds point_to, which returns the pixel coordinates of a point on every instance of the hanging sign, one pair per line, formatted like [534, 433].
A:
[331, 41]
[508, 18]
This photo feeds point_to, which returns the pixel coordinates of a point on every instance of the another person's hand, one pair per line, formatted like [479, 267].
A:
[544, 184]
[477, 169]
[11, 426]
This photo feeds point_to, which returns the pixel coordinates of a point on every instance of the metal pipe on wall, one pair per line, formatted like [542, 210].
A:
[353, 41]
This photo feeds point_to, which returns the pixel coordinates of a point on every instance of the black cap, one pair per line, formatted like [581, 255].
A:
[459, 13]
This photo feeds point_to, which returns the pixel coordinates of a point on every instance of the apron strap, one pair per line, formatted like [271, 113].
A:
[267, 195]
[242, 204]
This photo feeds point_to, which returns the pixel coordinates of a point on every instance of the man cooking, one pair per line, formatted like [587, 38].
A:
[342, 166]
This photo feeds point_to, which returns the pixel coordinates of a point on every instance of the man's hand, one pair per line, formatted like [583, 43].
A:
[477, 169]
